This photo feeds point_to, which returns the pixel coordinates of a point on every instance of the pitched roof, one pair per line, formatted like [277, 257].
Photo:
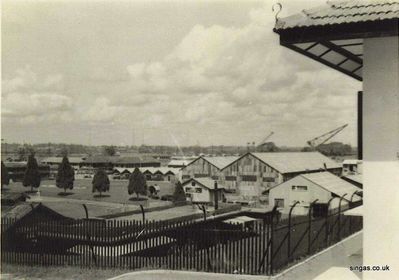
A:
[332, 183]
[221, 162]
[59, 159]
[339, 12]
[286, 162]
[179, 162]
[205, 182]
[358, 178]
[135, 159]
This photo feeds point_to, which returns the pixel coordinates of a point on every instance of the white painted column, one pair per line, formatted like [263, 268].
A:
[380, 154]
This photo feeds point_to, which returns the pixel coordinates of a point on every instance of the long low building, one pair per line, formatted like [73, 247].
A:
[110, 162]
[152, 173]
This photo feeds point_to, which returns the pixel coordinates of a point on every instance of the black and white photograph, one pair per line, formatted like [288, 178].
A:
[199, 139]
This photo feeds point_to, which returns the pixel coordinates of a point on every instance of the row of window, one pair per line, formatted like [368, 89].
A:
[245, 178]
[196, 190]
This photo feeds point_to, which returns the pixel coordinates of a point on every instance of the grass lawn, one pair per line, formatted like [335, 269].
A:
[83, 190]
[11, 271]
[117, 200]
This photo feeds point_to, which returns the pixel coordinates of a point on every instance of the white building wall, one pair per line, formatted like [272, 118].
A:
[380, 148]
[284, 191]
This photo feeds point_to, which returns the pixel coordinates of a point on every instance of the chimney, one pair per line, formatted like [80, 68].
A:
[325, 166]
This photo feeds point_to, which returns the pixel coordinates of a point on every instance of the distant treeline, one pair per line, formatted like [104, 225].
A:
[21, 151]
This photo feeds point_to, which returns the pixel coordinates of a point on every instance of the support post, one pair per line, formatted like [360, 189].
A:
[93, 255]
[360, 125]
[216, 196]
[143, 213]
[310, 224]
[327, 219]
[289, 232]
[339, 216]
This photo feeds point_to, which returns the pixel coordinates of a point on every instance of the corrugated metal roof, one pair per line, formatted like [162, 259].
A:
[339, 12]
[59, 159]
[356, 178]
[297, 161]
[332, 183]
[221, 162]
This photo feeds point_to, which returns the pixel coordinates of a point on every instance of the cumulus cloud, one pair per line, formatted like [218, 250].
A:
[219, 84]
[242, 78]
[30, 98]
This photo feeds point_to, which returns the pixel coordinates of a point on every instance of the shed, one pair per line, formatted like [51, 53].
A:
[202, 190]
[306, 188]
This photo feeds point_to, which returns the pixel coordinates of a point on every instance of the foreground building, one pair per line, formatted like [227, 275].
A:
[360, 38]
[203, 190]
[306, 188]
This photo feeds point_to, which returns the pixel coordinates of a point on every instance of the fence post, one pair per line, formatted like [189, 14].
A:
[87, 226]
[310, 223]
[327, 219]
[272, 237]
[339, 216]
[289, 232]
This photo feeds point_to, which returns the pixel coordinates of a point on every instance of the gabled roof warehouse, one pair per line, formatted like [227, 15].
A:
[221, 162]
[297, 162]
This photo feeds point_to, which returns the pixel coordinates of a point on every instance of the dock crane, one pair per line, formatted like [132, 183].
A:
[319, 140]
[260, 147]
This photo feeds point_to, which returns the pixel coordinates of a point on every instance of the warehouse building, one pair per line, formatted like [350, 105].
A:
[205, 166]
[265, 170]
[306, 188]
[110, 162]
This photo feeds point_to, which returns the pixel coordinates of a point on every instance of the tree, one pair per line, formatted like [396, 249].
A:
[110, 150]
[137, 183]
[5, 179]
[65, 175]
[32, 175]
[179, 194]
[100, 182]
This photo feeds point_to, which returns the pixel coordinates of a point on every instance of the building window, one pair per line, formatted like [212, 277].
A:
[188, 195]
[198, 190]
[248, 178]
[185, 177]
[268, 179]
[231, 178]
[299, 188]
[279, 202]
[193, 183]
[215, 177]
[188, 189]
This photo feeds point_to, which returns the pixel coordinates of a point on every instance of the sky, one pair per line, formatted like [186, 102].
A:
[163, 73]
